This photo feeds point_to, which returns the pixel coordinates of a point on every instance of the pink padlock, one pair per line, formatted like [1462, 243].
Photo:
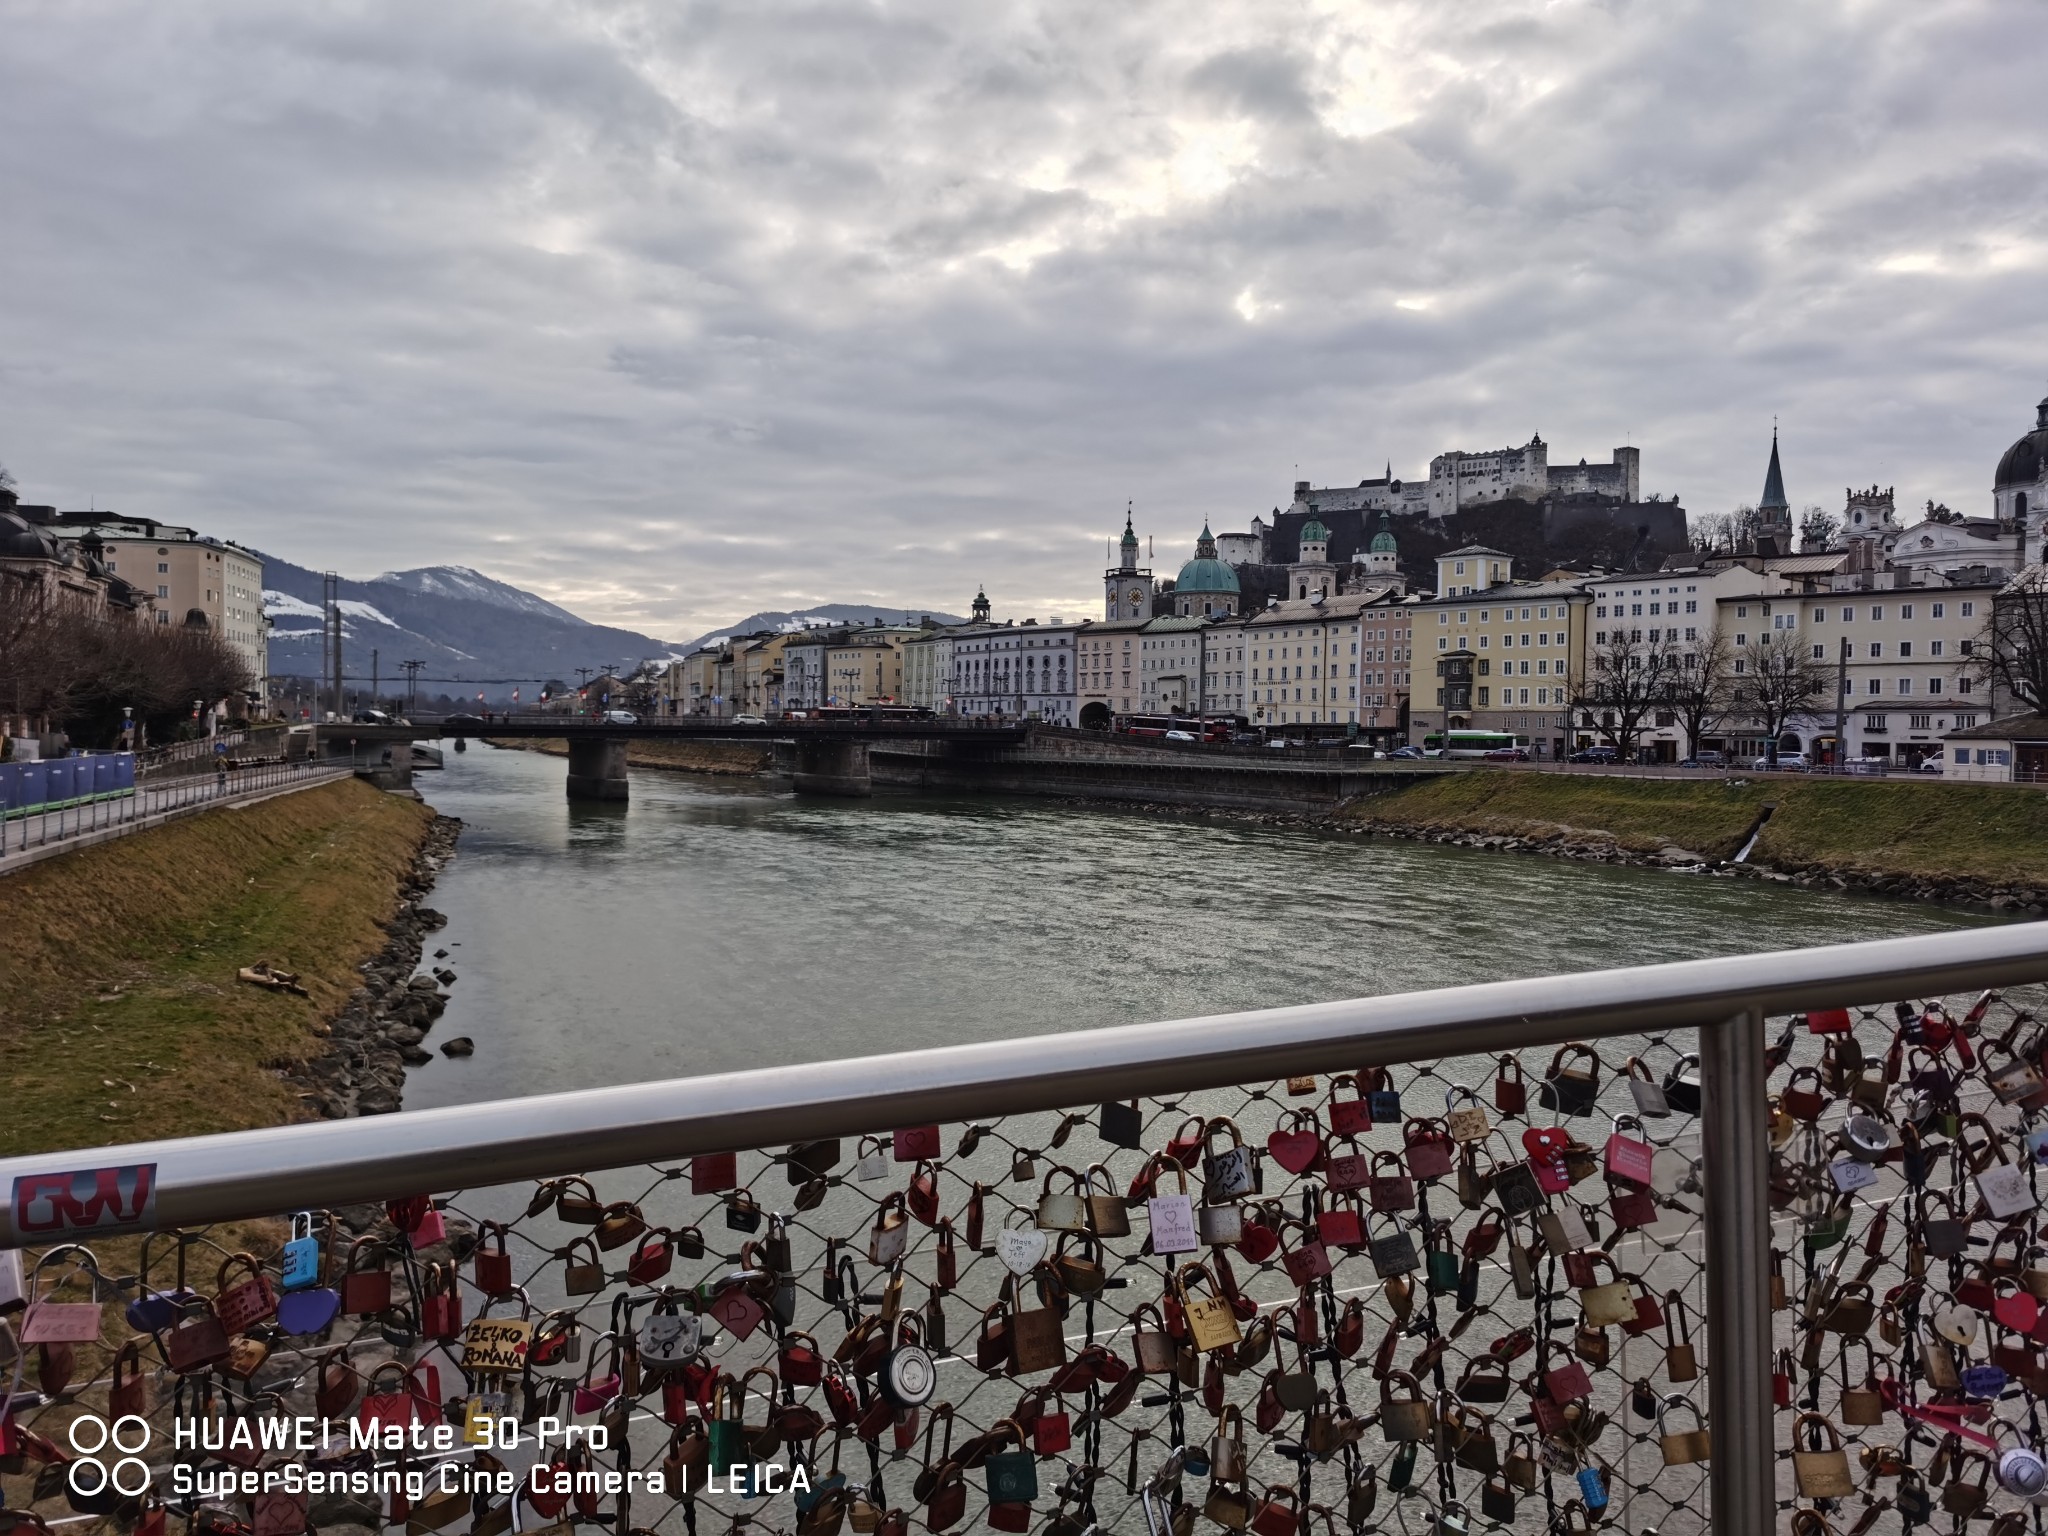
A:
[1629, 1158]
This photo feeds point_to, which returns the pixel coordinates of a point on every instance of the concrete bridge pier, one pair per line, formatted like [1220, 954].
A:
[597, 768]
[833, 768]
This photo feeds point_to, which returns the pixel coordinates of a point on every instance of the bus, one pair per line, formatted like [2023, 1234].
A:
[1468, 743]
[845, 712]
[1210, 729]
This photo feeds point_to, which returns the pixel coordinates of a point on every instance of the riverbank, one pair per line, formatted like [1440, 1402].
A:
[726, 758]
[1926, 841]
[125, 1019]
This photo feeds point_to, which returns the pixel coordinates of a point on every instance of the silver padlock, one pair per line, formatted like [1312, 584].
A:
[1451, 1520]
[2021, 1471]
[1869, 1139]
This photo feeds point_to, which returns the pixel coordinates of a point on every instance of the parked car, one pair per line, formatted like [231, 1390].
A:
[1928, 765]
[1408, 754]
[1508, 755]
[1369, 749]
[370, 717]
[1788, 762]
[749, 720]
[1594, 755]
[620, 717]
[1244, 738]
[1188, 736]
[463, 723]
[1708, 758]
[1333, 741]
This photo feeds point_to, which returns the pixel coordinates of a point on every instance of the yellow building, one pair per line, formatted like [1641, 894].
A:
[865, 668]
[1493, 654]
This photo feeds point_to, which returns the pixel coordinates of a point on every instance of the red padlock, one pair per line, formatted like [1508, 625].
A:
[1629, 1157]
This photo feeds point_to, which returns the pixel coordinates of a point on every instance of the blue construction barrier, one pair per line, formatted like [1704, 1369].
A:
[27, 789]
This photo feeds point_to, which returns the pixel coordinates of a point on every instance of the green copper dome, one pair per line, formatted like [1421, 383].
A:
[1313, 529]
[1200, 575]
[1383, 541]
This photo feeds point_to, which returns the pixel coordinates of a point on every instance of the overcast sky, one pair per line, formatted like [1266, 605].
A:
[674, 312]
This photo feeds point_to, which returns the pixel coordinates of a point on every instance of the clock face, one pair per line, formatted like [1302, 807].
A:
[1136, 595]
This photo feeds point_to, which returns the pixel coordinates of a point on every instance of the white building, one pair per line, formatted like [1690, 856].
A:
[2009, 751]
[1018, 671]
[1109, 679]
[1223, 668]
[1170, 666]
[1325, 661]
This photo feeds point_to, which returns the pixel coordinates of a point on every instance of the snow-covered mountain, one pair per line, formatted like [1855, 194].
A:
[474, 634]
[470, 633]
[460, 581]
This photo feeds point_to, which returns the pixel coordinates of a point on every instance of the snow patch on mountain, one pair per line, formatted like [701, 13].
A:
[461, 581]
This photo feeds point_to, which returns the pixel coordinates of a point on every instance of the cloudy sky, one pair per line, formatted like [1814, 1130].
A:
[676, 311]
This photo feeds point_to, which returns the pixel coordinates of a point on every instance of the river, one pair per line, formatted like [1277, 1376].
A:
[722, 924]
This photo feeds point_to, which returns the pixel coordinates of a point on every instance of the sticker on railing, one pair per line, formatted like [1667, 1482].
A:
[89, 1200]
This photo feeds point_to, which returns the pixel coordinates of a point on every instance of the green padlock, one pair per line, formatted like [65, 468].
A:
[1012, 1477]
[1829, 1229]
[727, 1436]
[1443, 1265]
[1401, 1470]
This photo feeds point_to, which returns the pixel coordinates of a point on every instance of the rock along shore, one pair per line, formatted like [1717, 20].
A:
[380, 1029]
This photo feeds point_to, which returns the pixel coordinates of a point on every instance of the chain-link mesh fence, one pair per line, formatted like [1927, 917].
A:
[1451, 1296]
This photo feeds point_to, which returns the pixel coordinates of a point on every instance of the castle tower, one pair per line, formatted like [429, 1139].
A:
[980, 609]
[1126, 588]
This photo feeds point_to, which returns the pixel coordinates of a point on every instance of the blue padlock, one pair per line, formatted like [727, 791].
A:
[1384, 1105]
[1983, 1381]
[1593, 1487]
[301, 1259]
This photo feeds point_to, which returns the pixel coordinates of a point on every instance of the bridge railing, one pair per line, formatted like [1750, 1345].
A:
[1528, 1256]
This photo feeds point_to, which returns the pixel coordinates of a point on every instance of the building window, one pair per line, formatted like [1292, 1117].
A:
[1969, 610]
[1938, 609]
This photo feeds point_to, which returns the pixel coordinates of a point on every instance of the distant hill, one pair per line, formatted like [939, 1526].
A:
[824, 614]
[474, 634]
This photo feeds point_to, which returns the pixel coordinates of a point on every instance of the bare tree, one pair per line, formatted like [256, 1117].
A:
[1723, 532]
[1622, 681]
[1819, 527]
[2012, 655]
[1699, 688]
[1775, 680]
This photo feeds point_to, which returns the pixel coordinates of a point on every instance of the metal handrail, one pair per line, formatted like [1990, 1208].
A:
[242, 1174]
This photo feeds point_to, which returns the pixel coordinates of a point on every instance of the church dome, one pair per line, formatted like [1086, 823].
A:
[1201, 575]
[1383, 542]
[2024, 460]
[1313, 529]
[22, 540]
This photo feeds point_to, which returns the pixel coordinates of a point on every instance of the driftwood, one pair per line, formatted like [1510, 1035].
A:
[264, 974]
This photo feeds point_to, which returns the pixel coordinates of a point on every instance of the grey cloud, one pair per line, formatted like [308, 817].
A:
[670, 312]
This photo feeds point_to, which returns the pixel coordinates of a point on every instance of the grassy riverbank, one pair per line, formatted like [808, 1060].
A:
[123, 1017]
[1855, 827]
[720, 757]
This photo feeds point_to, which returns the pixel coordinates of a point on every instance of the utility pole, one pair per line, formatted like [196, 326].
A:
[373, 677]
[330, 600]
[412, 683]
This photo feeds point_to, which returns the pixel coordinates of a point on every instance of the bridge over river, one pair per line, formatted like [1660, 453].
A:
[852, 756]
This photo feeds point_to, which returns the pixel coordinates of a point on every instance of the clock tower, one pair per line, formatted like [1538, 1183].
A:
[1127, 589]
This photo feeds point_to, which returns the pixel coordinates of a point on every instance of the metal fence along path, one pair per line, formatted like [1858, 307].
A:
[1743, 1245]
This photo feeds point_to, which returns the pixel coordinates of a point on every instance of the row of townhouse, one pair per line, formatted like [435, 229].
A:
[1902, 652]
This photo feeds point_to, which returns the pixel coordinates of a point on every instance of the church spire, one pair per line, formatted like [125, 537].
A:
[1774, 482]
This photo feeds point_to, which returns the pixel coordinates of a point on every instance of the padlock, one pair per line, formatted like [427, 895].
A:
[1510, 1089]
[1296, 1144]
[1062, 1210]
[2020, 1469]
[1647, 1092]
[1629, 1157]
[1820, 1472]
[1392, 1254]
[1572, 1084]
[1428, 1149]
[1407, 1418]
[1212, 1323]
[1107, 1214]
[1231, 1173]
[299, 1263]
[1464, 1116]
[1682, 1085]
